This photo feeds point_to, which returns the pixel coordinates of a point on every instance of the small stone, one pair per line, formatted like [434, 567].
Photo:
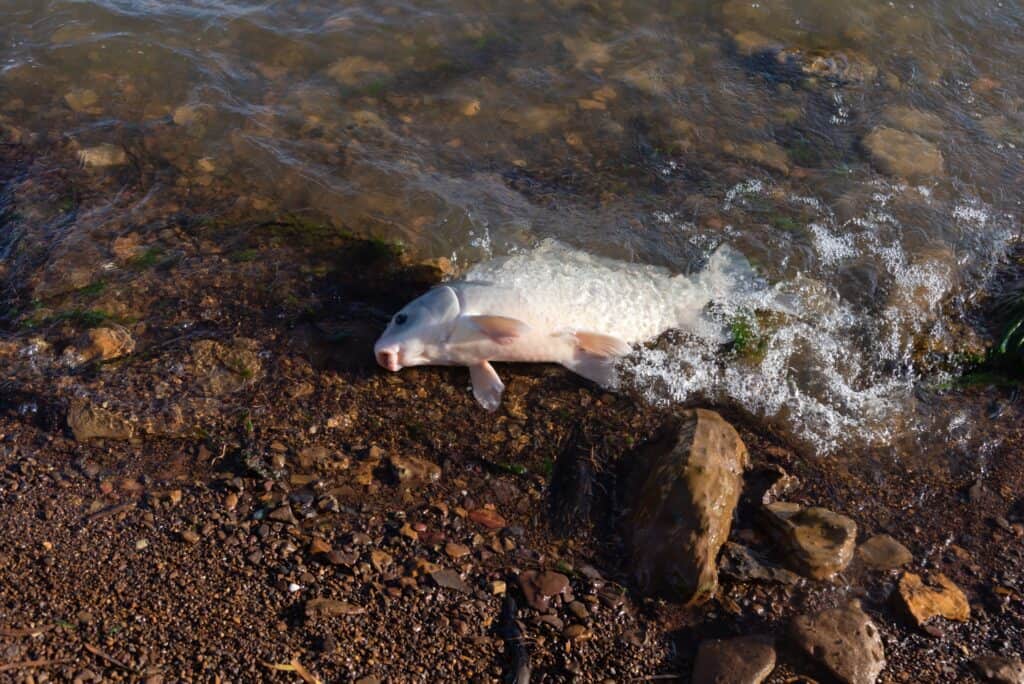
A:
[410, 468]
[577, 632]
[231, 501]
[331, 608]
[356, 70]
[88, 421]
[925, 124]
[487, 517]
[578, 610]
[456, 551]
[342, 558]
[1000, 669]
[190, 536]
[742, 564]
[538, 588]
[318, 547]
[741, 660]
[407, 531]
[470, 108]
[141, 544]
[81, 99]
[282, 514]
[938, 597]
[882, 552]
[175, 496]
[497, 587]
[105, 343]
[185, 115]
[844, 640]
[380, 560]
[449, 579]
[767, 154]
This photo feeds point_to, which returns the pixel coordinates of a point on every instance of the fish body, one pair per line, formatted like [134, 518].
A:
[553, 304]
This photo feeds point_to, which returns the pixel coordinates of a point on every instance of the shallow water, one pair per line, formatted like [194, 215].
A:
[651, 132]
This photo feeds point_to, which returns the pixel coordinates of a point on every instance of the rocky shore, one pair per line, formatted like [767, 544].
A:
[230, 490]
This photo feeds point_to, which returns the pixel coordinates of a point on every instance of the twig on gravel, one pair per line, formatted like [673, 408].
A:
[107, 512]
[296, 667]
[110, 659]
[25, 631]
[26, 664]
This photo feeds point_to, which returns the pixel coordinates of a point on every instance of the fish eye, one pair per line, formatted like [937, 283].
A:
[400, 319]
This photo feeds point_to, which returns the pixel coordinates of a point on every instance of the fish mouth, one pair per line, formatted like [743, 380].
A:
[388, 358]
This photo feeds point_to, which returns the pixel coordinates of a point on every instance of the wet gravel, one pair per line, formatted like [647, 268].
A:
[242, 495]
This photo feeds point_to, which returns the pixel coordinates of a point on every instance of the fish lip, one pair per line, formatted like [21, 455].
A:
[388, 359]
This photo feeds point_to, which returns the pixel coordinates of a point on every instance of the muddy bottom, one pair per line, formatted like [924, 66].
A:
[204, 476]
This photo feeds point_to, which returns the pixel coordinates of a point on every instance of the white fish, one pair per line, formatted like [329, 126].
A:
[552, 304]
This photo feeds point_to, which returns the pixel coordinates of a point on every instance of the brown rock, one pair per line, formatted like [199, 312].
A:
[449, 579]
[818, 543]
[692, 478]
[844, 640]
[487, 517]
[742, 660]
[88, 421]
[938, 597]
[456, 550]
[882, 552]
[226, 368]
[107, 343]
[539, 588]
[410, 468]
[924, 124]
[1000, 669]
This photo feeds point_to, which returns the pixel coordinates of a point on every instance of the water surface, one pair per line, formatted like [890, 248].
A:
[649, 132]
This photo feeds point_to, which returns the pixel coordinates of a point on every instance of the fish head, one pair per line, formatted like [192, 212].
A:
[416, 334]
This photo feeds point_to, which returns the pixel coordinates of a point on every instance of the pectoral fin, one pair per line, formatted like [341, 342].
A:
[487, 386]
[597, 344]
[501, 329]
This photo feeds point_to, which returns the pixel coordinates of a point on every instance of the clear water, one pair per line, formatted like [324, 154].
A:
[648, 132]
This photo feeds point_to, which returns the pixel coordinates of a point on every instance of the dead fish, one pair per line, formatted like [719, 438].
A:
[553, 304]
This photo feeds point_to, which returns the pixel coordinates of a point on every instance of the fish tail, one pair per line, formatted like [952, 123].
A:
[597, 369]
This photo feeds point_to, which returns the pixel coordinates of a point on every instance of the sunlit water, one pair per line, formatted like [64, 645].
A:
[648, 132]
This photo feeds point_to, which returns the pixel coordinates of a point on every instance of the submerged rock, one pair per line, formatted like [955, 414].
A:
[817, 542]
[683, 510]
[924, 124]
[540, 587]
[898, 153]
[742, 660]
[102, 156]
[844, 640]
[88, 421]
[1000, 669]
[936, 597]
[225, 368]
[107, 342]
[882, 552]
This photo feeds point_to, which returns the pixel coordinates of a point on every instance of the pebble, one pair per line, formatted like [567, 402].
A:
[579, 610]
[456, 550]
[577, 632]
[449, 579]
[487, 517]
[282, 514]
[497, 587]
[190, 536]
[539, 588]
